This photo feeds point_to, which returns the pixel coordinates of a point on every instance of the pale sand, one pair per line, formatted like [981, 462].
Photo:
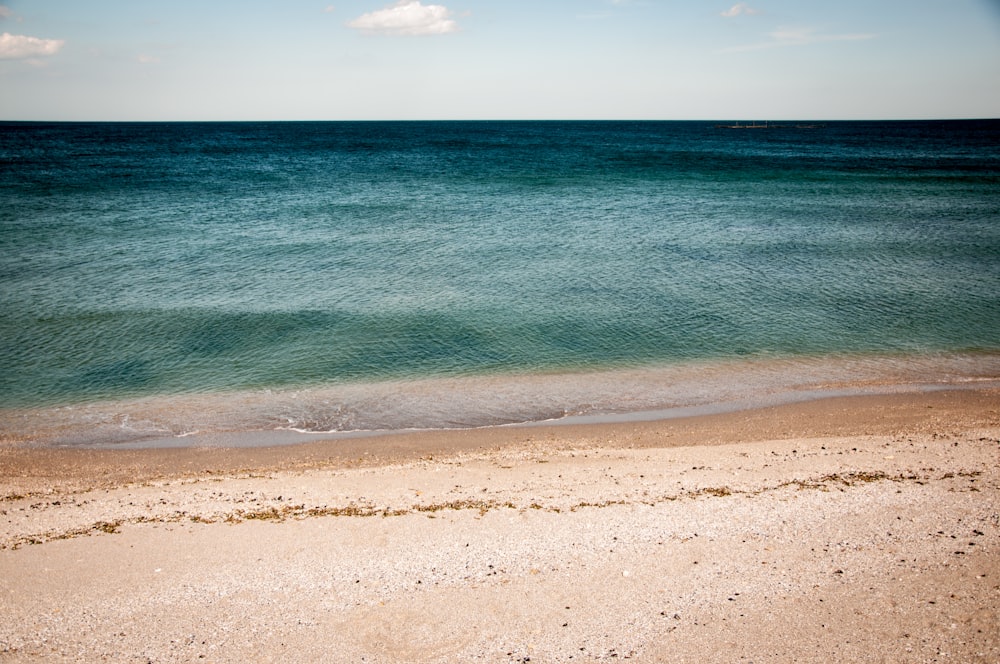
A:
[847, 530]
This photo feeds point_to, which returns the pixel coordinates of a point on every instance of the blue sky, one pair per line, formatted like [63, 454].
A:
[518, 59]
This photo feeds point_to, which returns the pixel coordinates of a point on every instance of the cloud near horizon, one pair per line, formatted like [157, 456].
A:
[798, 37]
[406, 17]
[21, 47]
[739, 9]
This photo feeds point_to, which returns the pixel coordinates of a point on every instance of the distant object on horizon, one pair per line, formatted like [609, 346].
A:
[769, 125]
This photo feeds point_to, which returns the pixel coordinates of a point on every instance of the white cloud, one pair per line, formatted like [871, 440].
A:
[738, 9]
[144, 59]
[799, 37]
[406, 17]
[19, 47]
[329, 9]
[5, 12]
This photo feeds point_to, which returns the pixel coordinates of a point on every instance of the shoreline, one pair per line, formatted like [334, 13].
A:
[893, 412]
[268, 417]
[281, 436]
[849, 529]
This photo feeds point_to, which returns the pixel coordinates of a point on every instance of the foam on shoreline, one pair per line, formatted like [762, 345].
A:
[283, 417]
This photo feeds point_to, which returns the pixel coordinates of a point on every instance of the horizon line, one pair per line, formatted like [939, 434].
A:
[415, 120]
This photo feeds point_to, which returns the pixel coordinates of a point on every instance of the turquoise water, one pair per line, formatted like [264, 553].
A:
[252, 261]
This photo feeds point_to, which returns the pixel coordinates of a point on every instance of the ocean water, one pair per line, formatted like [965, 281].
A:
[158, 280]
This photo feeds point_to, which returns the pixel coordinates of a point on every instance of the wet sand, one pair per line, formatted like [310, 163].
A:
[848, 529]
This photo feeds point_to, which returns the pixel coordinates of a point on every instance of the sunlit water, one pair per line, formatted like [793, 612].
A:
[164, 279]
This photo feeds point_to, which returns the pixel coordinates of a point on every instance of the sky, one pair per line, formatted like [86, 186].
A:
[498, 59]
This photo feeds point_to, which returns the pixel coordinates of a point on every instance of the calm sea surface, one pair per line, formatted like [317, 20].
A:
[158, 279]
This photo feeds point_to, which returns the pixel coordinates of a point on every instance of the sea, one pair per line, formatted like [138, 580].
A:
[264, 283]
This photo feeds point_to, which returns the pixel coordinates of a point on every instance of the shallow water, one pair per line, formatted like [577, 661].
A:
[276, 417]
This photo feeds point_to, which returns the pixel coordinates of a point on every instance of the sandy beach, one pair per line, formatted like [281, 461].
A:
[856, 529]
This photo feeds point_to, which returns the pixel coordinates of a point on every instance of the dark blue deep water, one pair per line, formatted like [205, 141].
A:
[139, 260]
